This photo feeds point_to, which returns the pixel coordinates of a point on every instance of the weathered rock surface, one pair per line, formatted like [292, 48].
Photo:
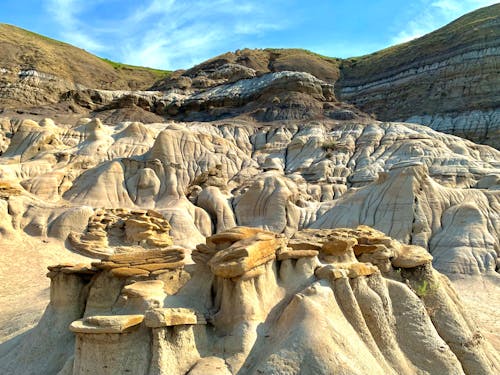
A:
[267, 227]
[127, 229]
[181, 182]
[398, 316]
[447, 79]
[451, 86]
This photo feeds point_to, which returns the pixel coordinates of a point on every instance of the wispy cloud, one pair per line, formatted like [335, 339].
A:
[167, 33]
[433, 14]
[66, 14]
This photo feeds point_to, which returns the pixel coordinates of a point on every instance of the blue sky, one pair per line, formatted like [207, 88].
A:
[174, 34]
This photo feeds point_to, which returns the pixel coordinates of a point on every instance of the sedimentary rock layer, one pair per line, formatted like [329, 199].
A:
[447, 79]
[417, 185]
[245, 308]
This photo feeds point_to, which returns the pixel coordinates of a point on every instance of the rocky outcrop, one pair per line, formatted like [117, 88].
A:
[205, 178]
[441, 80]
[108, 229]
[450, 86]
[262, 212]
[249, 63]
[235, 313]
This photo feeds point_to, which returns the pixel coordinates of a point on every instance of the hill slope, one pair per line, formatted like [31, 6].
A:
[58, 66]
[447, 79]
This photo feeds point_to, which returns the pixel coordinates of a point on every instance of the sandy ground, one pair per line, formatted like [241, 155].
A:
[24, 287]
[481, 296]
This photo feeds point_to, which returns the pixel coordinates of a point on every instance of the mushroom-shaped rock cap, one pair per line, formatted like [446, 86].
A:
[410, 256]
[143, 289]
[106, 323]
[242, 249]
[166, 317]
[227, 238]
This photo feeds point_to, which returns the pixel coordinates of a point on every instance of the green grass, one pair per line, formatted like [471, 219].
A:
[334, 60]
[35, 51]
[117, 65]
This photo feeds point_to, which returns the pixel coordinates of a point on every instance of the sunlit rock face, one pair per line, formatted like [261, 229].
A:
[254, 301]
[97, 186]
[439, 80]
[211, 247]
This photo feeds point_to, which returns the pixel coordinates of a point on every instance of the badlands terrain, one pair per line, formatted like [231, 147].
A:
[251, 215]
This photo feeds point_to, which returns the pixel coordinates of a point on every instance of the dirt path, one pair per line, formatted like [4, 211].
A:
[481, 295]
[24, 287]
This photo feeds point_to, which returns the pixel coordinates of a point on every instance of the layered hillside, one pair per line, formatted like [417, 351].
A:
[260, 61]
[447, 79]
[50, 67]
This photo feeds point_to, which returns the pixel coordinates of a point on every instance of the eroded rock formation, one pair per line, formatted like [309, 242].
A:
[182, 182]
[242, 219]
[326, 301]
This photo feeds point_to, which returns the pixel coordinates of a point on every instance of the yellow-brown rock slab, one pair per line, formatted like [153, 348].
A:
[338, 245]
[142, 257]
[297, 254]
[227, 238]
[368, 249]
[202, 254]
[410, 256]
[166, 317]
[245, 255]
[330, 272]
[128, 272]
[300, 244]
[360, 269]
[143, 288]
[68, 268]
[160, 266]
[106, 323]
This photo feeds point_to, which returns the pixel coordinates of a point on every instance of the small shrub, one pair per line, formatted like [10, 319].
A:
[424, 288]
[328, 145]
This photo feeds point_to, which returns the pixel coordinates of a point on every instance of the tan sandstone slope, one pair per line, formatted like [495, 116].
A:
[350, 301]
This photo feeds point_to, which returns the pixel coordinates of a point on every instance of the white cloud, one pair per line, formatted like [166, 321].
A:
[435, 14]
[66, 13]
[167, 33]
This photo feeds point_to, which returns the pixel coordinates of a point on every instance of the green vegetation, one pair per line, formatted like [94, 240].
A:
[333, 60]
[117, 65]
[425, 288]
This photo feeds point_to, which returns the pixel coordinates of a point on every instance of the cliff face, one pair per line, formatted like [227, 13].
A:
[447, 79]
